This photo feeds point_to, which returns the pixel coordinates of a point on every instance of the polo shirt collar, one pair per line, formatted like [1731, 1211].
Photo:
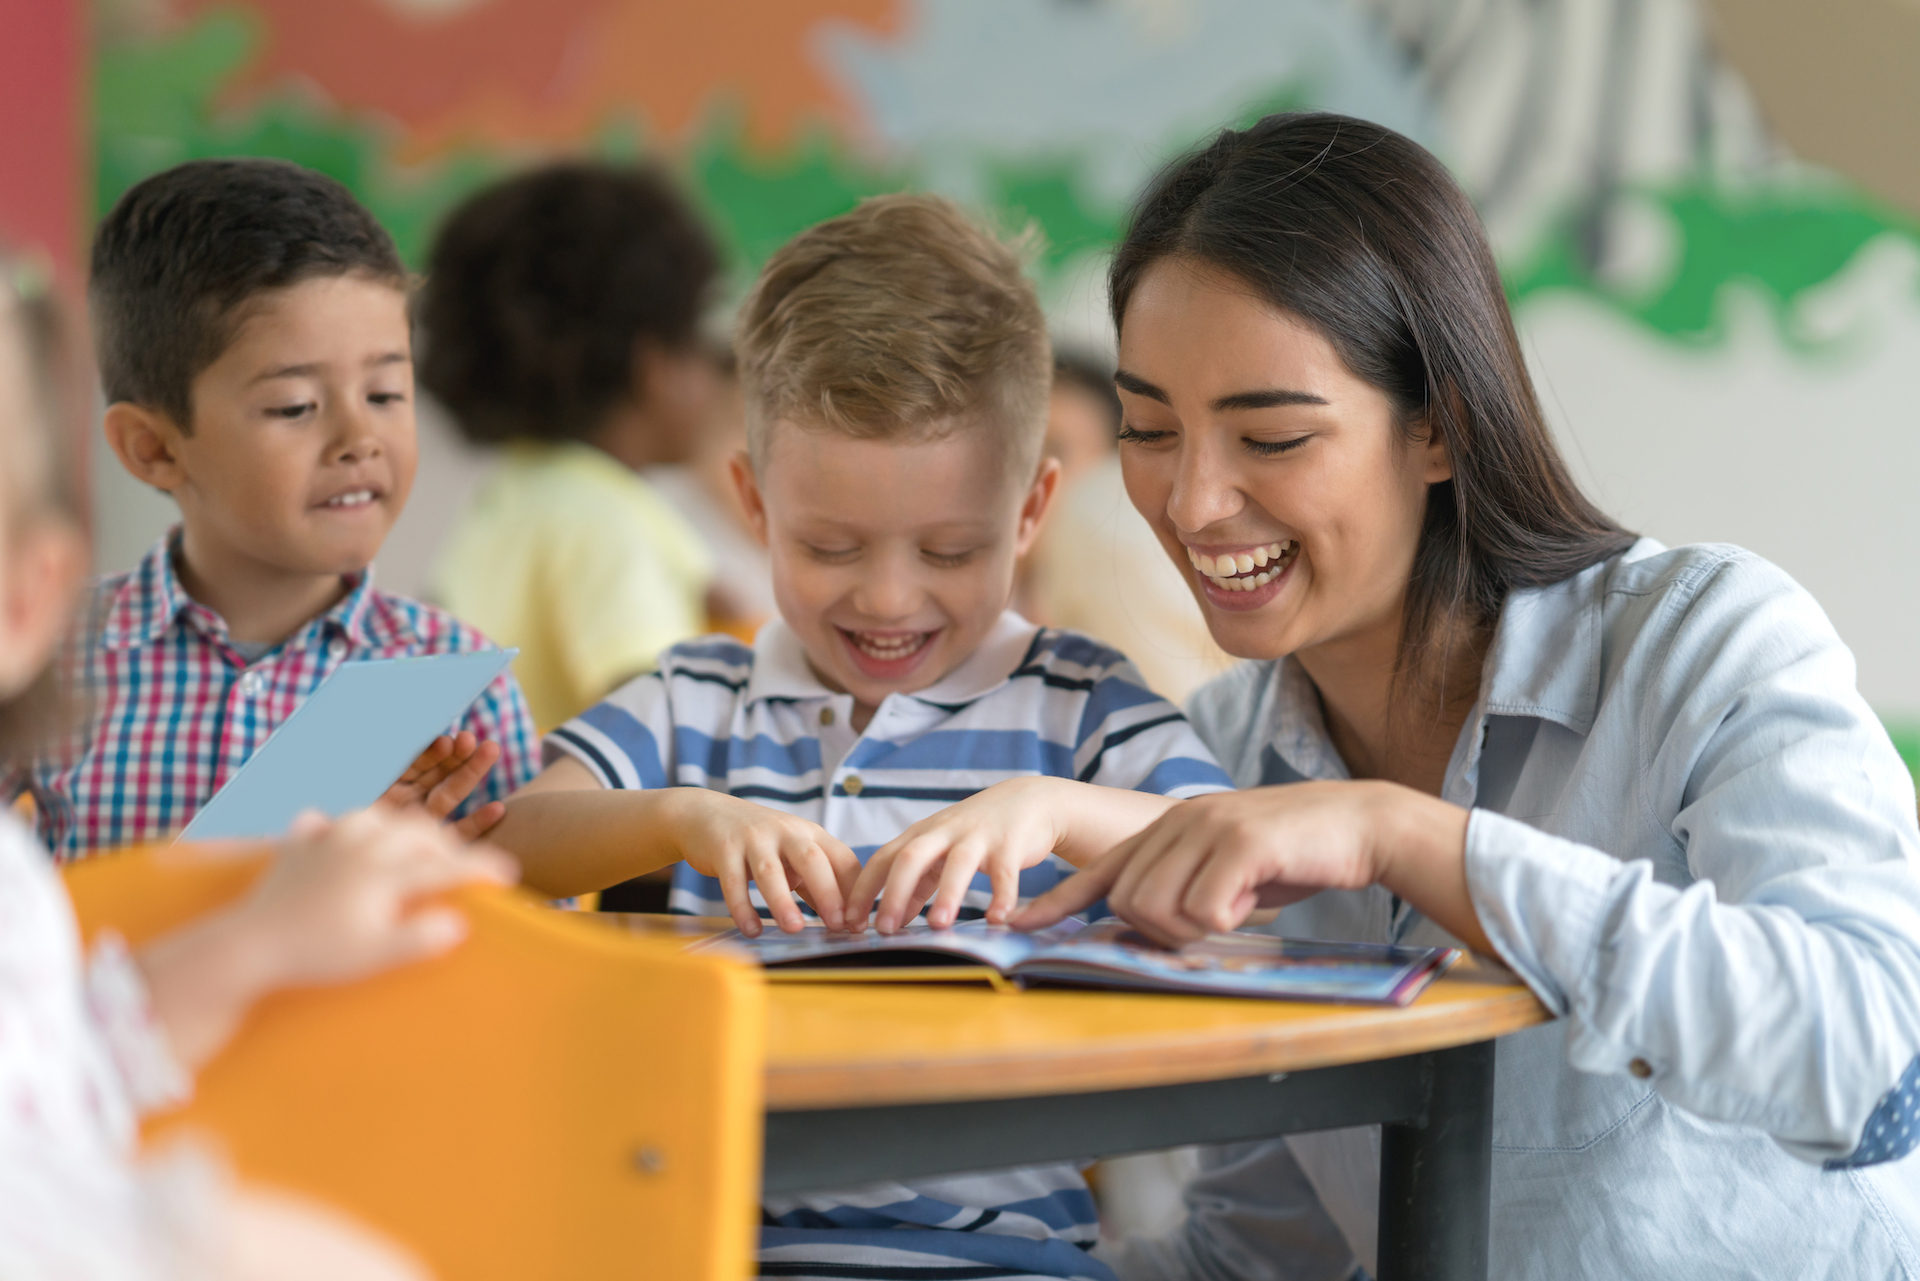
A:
[781, 669]
[152, 599]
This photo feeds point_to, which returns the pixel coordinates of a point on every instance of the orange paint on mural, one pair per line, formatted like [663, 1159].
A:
[510, 72]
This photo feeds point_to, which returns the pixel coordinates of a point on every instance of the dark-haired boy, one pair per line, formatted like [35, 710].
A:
[251, 324]
[561, 315]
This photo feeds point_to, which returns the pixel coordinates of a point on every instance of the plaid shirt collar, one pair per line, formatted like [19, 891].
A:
[152, 600]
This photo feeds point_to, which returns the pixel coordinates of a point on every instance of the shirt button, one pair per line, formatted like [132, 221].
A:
[1640, 1068]
[337, 648]
[251, 684]
[852, 785]
[826, 716]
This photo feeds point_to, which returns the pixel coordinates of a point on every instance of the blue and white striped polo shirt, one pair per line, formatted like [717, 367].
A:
[758, 723]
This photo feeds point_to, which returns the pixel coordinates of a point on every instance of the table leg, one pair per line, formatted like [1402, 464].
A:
[1436, 1175]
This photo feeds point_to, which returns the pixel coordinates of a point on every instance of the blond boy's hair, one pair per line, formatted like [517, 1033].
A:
[901, 319]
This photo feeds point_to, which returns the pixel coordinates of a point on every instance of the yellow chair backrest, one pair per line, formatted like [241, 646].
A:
[553, 1099]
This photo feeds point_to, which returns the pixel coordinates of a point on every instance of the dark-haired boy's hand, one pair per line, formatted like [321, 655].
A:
[443, 776]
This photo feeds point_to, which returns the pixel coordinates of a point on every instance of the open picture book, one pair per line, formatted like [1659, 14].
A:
[1104, 954]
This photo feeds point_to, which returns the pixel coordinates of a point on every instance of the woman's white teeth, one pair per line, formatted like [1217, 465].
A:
[1234, 571]
[358, 498]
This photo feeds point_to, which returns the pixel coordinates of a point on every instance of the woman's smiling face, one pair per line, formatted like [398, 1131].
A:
[1283, 485]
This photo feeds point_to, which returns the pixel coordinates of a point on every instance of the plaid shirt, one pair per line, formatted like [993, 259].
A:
[171, 709]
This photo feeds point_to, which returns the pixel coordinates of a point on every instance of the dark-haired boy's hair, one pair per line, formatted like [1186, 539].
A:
[541, 290]
[182, 254]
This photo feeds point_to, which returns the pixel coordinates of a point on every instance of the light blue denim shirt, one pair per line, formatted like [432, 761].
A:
[1694, 841]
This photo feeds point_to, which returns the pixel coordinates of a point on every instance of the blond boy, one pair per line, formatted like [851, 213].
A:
[896, 369]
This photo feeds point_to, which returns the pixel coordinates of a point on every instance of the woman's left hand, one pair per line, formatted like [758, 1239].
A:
[1210, 862]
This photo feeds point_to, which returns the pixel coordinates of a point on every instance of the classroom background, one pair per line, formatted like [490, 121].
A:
[1706, 214]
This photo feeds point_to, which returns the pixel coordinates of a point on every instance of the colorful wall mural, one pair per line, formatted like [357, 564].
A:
[1723, 335]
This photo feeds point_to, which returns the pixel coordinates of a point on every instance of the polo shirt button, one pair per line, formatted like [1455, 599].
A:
[853, 785]
[1640, 1068]
[826, 716]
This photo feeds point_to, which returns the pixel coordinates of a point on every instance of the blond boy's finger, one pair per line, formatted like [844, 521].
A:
[904, 893]
[1079, 891]
[868, 881]
[1004, 875]
[770, 874]
[956, 877]
[730, 869]
[879, 885]
[822, 887]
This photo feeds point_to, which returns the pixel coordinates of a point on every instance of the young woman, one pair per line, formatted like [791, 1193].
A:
[1482, 713]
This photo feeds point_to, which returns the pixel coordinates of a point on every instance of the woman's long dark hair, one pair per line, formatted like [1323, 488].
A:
[1365, 236]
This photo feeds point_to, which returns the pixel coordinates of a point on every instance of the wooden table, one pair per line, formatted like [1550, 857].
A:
[861, 1078]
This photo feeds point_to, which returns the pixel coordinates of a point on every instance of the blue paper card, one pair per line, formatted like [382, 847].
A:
[344, 747]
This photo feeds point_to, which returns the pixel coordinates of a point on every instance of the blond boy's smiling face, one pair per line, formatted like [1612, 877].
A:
[892, 559]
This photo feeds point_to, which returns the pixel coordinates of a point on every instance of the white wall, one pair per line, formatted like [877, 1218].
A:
[1807, 453]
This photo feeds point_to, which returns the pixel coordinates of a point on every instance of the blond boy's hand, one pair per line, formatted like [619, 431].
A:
[738, 843]
[443, 776]
[1000, 831]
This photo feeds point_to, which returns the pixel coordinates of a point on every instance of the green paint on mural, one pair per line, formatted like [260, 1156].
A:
[154, 108]
[1906, 741]
[1782, 241]
[758, 202]
[1051, 195]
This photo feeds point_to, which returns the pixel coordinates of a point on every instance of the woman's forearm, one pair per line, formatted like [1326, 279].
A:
[1421, 853]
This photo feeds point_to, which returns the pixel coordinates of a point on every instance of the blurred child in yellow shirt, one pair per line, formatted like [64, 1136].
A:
[561, 313]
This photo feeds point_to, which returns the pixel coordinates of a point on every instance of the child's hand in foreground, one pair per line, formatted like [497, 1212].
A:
[443, 776]
[737, 842]
[341, 901]
[1000, 831]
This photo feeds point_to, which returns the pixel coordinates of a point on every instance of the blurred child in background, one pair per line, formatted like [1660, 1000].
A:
[89, 1042]
[1093, 568]
[250, 319]
[702, 490]
[561, 316]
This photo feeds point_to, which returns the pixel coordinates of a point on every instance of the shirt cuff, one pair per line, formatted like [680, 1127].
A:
[117, 993]
[1542, 900]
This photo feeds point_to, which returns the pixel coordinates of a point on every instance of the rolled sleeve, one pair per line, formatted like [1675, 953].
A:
[1762, 965]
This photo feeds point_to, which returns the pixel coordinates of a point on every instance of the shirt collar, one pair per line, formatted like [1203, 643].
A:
[1299, 727]
[781, 669]
[1544, 662]
[1545, 657]
[151, 598]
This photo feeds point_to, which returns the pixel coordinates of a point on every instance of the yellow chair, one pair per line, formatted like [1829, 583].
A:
[554, 1098]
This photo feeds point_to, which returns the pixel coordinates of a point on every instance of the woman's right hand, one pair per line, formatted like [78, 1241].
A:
[1209, 863]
